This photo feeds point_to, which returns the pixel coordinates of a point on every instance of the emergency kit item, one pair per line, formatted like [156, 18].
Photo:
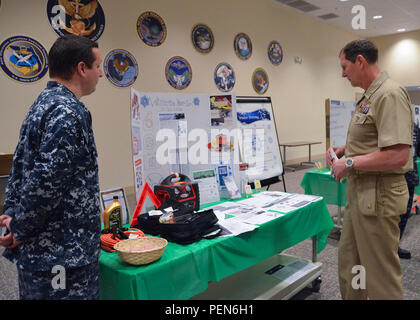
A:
[184, 227]
[179, 192]
[146, 191]
[110, 237]
[113, 214]
[141, 250]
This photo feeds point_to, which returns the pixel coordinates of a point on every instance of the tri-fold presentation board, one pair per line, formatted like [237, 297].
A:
[338, 115]
[203, 136]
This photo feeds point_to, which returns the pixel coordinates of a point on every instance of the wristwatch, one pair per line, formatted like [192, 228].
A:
[349, 163]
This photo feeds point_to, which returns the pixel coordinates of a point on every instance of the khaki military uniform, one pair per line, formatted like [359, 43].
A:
[375, 200]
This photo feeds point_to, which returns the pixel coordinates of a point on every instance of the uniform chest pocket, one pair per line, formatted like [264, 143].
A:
[362, 119]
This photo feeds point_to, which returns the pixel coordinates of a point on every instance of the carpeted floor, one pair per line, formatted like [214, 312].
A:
[329, 287]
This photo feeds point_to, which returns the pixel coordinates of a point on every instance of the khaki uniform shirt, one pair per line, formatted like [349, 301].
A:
[382, 118]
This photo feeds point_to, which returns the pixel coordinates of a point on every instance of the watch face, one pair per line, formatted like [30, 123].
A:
[349, 163]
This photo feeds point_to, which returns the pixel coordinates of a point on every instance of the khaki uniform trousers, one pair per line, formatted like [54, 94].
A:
[370, 237]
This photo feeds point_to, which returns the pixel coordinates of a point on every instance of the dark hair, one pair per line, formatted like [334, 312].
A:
[363, 47]
[66, 52]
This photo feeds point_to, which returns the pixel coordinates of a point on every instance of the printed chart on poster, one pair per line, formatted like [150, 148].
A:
[184, 133]
[340, 113]
[258, 144]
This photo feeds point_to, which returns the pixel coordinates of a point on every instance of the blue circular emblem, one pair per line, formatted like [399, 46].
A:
[202, 38]
[151, 28]
[178, 72]
[80, 17]
[224, 77]
[275, 52]
[121, 68]
[23, 59]
[243, 46]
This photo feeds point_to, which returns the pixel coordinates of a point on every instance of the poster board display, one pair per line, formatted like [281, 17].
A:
[184, 133]
[260, 150]
[338, 115]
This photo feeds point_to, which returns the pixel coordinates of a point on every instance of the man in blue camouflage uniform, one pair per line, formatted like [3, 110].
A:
[51, 208]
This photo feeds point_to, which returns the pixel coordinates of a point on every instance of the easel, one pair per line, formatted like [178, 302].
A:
[268, 181]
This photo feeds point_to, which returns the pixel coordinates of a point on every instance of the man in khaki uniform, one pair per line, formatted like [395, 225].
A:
[377, 154]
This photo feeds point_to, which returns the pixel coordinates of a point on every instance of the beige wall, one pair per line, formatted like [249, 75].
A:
[399, 55]
[298, 91]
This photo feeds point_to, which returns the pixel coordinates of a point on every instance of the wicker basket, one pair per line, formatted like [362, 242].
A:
[142, 250]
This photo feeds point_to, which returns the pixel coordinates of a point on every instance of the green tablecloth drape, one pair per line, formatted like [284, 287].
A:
[322, 183]
[185, 270]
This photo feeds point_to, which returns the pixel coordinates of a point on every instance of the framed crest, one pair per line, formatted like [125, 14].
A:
[275, 52]
[202, 38]
[243, 46]
[120, 67]
[178, 72]
[23, 59]
[260, 81]
[224, 77]
[80, 17]
[151, 28]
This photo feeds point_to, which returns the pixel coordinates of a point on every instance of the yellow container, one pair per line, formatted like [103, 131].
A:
[113, 214]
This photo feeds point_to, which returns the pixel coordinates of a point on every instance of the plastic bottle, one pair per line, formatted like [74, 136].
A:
[113, 214]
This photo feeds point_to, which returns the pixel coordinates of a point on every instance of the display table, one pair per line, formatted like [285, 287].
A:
[185, 270]
[298, 144]
[417, 189]
[322, 183]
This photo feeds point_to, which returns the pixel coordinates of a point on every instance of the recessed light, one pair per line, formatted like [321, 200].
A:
[401, 30]
[377, 17]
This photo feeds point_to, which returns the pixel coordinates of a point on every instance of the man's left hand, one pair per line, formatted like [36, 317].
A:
[339, 169]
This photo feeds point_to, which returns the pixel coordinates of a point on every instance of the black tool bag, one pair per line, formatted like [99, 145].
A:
[187, 228]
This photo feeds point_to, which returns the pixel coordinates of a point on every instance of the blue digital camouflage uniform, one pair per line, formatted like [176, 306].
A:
[53, 190]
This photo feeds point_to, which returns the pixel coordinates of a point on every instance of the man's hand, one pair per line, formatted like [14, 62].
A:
[339, 151]
[9, 240]
[339, 169]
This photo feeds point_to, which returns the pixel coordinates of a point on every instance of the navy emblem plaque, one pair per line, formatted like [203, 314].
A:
[224, 77]
[275, 52]
[23, 59]
[151, 28]
[120, 67]
[243, 46]
[178, 72]
[202, 38]
[80, 17]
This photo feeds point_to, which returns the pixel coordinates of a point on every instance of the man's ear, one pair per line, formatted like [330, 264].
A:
[361, 61]
[81, 68]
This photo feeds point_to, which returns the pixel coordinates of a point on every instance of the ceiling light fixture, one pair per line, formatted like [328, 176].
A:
[401, 30]
[377, 17]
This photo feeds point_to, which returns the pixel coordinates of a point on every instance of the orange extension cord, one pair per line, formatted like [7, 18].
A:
[108, 240]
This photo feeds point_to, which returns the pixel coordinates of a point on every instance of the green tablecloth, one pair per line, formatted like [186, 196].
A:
[417, 189]
[322, 183]
[185, 270]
